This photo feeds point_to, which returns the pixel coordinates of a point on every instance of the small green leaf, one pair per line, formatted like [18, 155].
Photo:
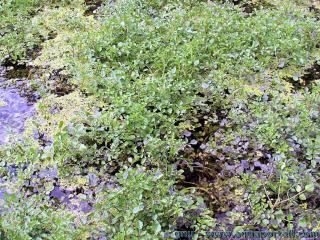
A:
[303, 223]
[265, 222]
[61, 123]
[136, 210]
[157, 228]
[237, 229]
[298, 188]
[309, 187]
[140, 223]
[302, 197]
[296, 77]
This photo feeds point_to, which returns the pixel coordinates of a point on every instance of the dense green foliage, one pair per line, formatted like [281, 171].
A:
[201, 116]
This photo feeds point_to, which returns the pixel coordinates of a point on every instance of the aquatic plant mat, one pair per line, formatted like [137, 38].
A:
[133, 119]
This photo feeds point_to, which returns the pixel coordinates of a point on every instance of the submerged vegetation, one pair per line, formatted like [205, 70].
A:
[159, 116]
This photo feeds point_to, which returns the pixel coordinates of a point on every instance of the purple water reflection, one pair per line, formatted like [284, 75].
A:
[14, 110]
[73, 202]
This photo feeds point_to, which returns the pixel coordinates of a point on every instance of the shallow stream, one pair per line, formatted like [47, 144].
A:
[14, 110]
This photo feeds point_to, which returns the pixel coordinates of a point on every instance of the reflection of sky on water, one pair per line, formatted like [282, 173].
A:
[14, 110]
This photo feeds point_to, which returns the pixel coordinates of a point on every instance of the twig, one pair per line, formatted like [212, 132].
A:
[288, 199]
[269, 200]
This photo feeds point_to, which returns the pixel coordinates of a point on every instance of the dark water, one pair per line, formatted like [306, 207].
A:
[14, 110]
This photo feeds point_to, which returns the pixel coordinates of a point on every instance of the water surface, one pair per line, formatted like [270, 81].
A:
[14, 110]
